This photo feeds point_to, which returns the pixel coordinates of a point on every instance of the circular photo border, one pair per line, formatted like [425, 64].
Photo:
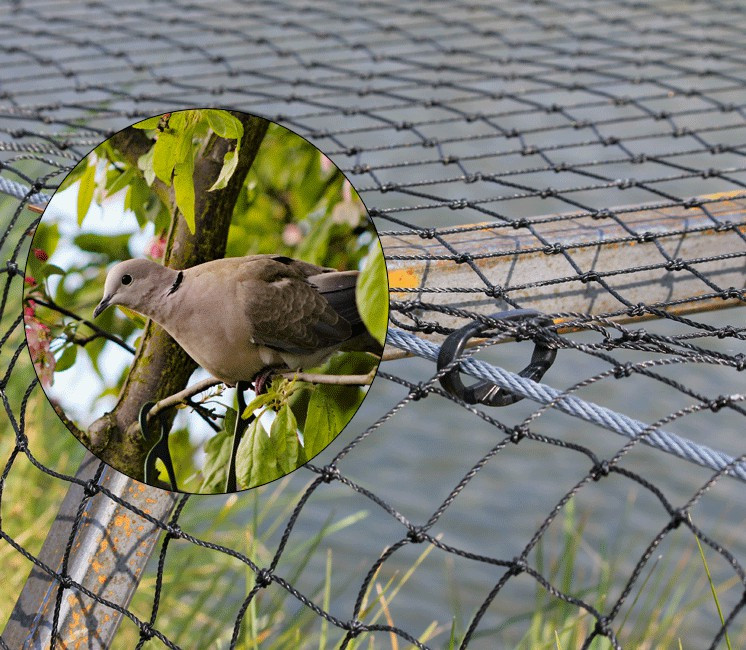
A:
[205, 301]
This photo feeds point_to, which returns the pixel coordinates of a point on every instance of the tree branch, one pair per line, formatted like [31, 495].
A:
[161, 368]
[336, 380]
[182, 396]
[50, 304]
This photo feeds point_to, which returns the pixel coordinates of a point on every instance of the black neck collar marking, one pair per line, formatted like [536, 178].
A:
[177, 283]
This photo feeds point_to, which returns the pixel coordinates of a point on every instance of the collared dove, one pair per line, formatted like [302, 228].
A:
[242, 316]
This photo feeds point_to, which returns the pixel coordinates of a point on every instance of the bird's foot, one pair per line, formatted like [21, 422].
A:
[262, 380]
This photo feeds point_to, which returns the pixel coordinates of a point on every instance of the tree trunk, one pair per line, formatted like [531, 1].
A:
[160, 367]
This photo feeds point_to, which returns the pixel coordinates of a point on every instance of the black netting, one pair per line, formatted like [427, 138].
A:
[599, 146]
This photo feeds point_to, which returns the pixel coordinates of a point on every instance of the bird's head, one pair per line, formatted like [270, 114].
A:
[131, 284]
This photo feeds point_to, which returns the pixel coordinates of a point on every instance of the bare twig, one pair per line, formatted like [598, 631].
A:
[183, 395]
[66, 312]
[339, 380]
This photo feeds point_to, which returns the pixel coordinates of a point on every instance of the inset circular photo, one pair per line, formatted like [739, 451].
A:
[205, 301]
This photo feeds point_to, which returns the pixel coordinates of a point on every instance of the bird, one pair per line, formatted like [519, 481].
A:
[239, 316]
[243, 318]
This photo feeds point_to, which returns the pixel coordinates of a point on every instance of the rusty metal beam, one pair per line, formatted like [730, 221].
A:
[108, 556]
[534, 275]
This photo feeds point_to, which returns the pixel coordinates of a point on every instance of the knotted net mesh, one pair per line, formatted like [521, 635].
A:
[581, 159]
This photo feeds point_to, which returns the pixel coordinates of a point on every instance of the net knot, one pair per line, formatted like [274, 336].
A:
[637, 310]
[263, 578]
[677, 264]
[719, 402]
[66, 582]
[146, 631]
[418, 392]
[518, 566]
[645, 237]
[553, 249]
[725, 332]
[22, 443]
[458, 204]
[530, 150]
[711, 171]
[611, 140]
[91, 488]
[329, 473]
[12, 268]
[740, 360]
[427, 233]
[416, 534]
[678, 517]
[519, 223]
[600, 470]
[355, 628]
[634, 335]
[724, 226]
[461, 258]
[494, 291]
[361, 169]
[638, 159]
[174, 530]
[447, 160]
[731, 292]
[602, 627]
[518, 433]
[473, 178]
[602, 214]
[589, 276]
[692, 203]
[624, 370]
[547, 193]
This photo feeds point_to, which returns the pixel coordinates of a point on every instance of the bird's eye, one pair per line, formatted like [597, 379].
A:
[126, 279]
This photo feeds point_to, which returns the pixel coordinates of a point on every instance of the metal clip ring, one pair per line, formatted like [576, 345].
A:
[486, 392]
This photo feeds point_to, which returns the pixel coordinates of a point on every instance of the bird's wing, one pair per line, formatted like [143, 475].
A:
[288, 312]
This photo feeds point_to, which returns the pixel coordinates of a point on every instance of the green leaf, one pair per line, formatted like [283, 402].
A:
[322, 422]
[256, 463]
[85, 192]
[51, 269]
[149, 124]
[121, 181]
[230, 162]
[284, 433]
[139, 320]
[74, 175]
[224, 124]
[115, 247]
[218, 453]
[67, 358]
[184, 188]
[372, 295]
[145, 163]
[258, 402]
[165, 151]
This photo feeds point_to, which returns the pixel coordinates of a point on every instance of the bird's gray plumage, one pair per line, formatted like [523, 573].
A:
[239, 316]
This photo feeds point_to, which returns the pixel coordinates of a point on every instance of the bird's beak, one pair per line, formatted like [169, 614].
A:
[102, 305]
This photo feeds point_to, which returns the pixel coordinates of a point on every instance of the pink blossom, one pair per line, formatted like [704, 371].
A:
[30, 280]
[41, 255]
[292, 235]
[156, 248]
[326, 164]
[38, 338]
[346, 191]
